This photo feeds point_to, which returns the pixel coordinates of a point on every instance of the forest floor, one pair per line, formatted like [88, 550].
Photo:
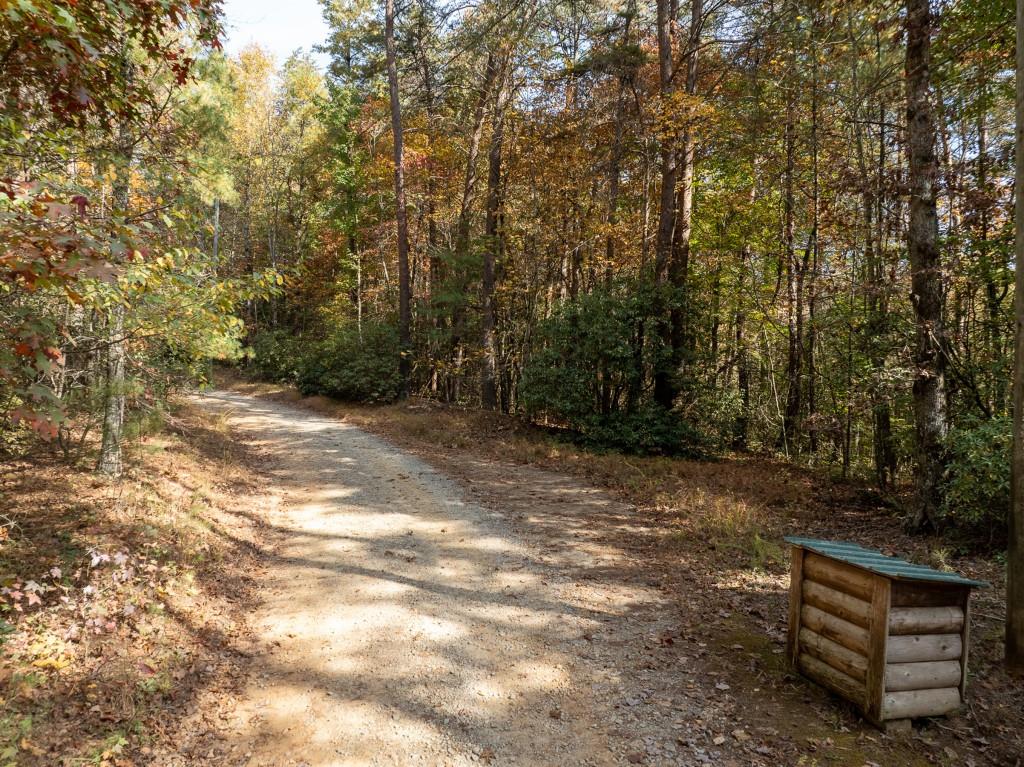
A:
[124, 605]
[289, 581]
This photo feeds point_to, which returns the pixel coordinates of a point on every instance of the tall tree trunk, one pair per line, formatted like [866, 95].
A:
[878, 319]
[664, 387]
[489, 373]
[615, 164]
[679, 268]
[436, 274]
[1015, 552]
[812, 277]
[462, 227]
[401, 214]
[741, 428]
[110, 461]
[793, 290]
[929, 390]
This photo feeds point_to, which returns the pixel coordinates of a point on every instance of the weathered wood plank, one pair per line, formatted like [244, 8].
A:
[916, 594]
[846, 578]
[965, 639]
[834, 654]
[795, 601]
[933, 675]
[923, 648]
[916, 703]
[844, 606]
[847, 634]
[904, 621]
[878, 635]
[835, 680]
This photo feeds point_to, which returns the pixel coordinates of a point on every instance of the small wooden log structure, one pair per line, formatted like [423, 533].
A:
[888, 635]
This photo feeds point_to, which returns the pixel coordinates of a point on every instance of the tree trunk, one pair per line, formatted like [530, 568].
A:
[679, 267]
[812, 276]
[1015, 552]
[664, 387]
[462, 227]
[929, 390]
[615, 170]
[110, 461]
[793, 290]
[401, 214]
[489, 373]
[742, 426]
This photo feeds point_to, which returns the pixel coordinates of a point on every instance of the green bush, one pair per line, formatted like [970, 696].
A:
[354, 367]
[586, 372]
[976, 498]
[275, 355]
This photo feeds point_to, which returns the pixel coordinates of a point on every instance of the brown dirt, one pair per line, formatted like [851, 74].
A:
[699, 657]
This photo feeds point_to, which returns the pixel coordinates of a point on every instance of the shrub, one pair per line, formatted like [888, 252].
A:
[976, 498]
[354, 367]
[648, 430]
[275, 355]
[586, 373]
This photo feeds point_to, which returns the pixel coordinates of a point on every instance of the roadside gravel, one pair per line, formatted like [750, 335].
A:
[404, 624]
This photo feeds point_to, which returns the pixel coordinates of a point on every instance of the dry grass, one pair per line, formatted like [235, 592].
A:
[137, 591]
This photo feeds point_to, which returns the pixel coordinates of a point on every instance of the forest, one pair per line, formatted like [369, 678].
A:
[681, 230]
[711, 231]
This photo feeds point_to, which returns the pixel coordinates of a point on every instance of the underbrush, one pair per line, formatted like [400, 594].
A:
[976, 498]
[349, 363]
[110, 592]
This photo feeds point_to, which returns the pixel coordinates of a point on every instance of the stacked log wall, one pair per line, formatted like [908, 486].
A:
[833, 641]
[896, 649]
[926, 659]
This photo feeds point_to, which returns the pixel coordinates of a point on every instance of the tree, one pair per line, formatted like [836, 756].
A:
[401, 213]
[1015, 554]
[110, 461]
[929, 388]
[492, 246]
[664, 386]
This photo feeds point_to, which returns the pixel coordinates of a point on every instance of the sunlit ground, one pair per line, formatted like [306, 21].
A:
[404, 625]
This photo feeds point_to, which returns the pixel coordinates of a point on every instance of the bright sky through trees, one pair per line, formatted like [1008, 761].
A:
[280, 27]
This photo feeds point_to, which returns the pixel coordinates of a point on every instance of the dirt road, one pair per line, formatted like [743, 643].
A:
[403, 624]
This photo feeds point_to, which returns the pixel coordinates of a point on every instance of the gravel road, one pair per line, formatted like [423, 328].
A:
[403, 624]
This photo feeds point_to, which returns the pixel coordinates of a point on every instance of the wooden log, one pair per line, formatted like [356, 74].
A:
[829, 626]
[878, 639]
[897, 726]
[834, 654]
[923, 648]
[922, 676]
[846, 578]
[844, 606]
[965, 640]
[796, 577]
[916, 703]
[916, 594]
[904, 621]
[831, 678]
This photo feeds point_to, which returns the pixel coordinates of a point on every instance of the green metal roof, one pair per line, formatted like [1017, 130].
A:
[877, 562]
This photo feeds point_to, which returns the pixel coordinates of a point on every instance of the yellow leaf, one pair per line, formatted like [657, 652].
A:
[55, 663]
